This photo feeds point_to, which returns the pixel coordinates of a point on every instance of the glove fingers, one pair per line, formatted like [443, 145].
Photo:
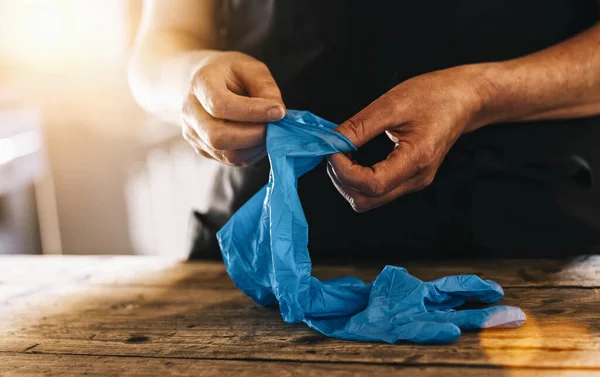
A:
[496, 316]
[455, 290]
[426, 332]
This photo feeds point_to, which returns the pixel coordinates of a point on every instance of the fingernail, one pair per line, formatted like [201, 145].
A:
[276, 113]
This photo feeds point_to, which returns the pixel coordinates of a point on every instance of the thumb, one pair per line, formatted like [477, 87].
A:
[368, 123]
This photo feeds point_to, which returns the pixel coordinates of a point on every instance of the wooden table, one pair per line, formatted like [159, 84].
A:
[146, 316]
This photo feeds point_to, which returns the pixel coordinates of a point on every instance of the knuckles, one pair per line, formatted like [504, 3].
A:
[360, 205]
[426, 155]
[247, 64]
[356, 205]
[233, 158]
[358, 208]
[260, 66]
[376, 187]
[187, 109]
[215, 106]
[428, 180]
[201, 88]
[216, 138]
[353, 129]
[185, 134]
[267, 87]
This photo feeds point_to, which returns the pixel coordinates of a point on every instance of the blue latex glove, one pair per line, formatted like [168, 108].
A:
[264, 246]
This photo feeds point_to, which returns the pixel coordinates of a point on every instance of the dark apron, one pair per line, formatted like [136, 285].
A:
[511, 189]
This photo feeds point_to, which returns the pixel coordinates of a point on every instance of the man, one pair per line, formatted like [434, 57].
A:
[476, 121]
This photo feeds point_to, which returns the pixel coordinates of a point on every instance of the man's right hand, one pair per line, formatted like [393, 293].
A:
[224, 115]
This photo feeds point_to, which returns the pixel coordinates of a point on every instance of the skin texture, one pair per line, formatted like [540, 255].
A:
[222, 100]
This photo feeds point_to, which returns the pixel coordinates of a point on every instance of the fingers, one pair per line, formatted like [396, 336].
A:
[231, 98]
[370, 122]
[361, 202]
[366, 188]
[263, 105]
[426, 332]
[467, 286]
[495, 316]
[407, 169]
[381, 178]
[237, 157]
[221, 134]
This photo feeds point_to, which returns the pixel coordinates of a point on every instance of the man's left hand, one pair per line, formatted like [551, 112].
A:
[423, 116]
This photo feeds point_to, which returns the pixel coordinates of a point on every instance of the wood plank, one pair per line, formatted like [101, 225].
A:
[563, 329]
[151, 271]
[72, 365]
[111, 270]
[46, 269]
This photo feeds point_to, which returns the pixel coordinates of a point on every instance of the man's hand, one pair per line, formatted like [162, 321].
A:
[231, 96]
[423, 116]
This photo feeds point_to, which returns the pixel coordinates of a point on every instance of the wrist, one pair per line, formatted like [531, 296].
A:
[486, 80]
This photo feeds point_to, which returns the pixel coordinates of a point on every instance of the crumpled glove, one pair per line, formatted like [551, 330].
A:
[264, 247]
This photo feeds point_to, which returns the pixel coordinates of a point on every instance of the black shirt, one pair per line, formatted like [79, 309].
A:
[333, 57]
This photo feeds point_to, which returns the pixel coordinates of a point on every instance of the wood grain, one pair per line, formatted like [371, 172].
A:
[102, 366]
[562, 330]
[139, 316]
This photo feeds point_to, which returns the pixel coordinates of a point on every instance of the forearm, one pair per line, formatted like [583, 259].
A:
[160, 71]
[562, 81]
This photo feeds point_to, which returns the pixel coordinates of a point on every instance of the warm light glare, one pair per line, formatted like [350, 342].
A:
[48, 27]
[46, 33]
[536, 343]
